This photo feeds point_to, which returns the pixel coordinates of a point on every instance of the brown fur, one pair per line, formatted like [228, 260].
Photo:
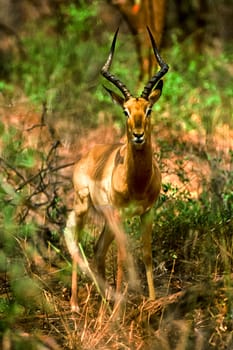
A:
[118, 181]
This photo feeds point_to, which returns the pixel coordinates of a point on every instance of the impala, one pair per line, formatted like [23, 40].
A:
[119, 180]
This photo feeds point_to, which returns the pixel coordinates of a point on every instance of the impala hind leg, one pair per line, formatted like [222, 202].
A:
[147, 222]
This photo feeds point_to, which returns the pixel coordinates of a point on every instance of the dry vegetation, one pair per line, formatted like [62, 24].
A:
[194, 305]
[193, 225]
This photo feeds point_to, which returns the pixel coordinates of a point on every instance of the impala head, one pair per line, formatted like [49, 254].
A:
[137, 109]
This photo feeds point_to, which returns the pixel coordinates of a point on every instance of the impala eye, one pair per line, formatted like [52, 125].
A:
[148, 112]
[126, 112]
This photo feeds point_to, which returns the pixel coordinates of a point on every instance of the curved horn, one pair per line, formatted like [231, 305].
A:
[110, 77]
[163, 69]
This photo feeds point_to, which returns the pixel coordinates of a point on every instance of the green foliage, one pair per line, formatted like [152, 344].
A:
[63, 69]
[196, 228]
[24, 293]
[15, 303]
[6, 87]
[16, 153]
[199, 84]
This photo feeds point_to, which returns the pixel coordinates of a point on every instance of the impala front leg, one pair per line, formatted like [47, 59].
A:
[147, 222]
[101, 249]
[125, 258]
[72, 232]
[71, 237]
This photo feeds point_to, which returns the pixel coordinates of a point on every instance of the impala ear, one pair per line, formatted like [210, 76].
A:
[115, 97]
[156, 93]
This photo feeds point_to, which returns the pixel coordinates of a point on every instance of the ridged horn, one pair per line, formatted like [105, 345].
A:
[163, 69]
[110, 77]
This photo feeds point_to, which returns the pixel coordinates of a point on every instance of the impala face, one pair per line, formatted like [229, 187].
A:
[137, 112]
[136, 109]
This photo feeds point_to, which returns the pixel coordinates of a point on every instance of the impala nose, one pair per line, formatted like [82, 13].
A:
[138, 137]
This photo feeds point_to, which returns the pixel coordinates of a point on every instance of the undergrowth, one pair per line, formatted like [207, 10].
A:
[192, 241]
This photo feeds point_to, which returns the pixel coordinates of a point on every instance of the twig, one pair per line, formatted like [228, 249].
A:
[35, 126]
[12, 168]
[42, 171]
[53, 148]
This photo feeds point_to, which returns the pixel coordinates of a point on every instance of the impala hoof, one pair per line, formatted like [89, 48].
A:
[75, 308]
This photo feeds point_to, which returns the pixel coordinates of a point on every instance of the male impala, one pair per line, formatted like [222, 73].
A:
[119, 180]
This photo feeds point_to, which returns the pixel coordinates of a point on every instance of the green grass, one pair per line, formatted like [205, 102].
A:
[63, 70]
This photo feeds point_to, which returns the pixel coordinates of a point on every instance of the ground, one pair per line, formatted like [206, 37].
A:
[192, 311]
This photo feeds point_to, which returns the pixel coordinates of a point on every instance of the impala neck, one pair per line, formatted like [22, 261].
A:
[139, 167]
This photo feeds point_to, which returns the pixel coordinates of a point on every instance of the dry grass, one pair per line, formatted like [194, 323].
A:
[195, 318]
[197, 314]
